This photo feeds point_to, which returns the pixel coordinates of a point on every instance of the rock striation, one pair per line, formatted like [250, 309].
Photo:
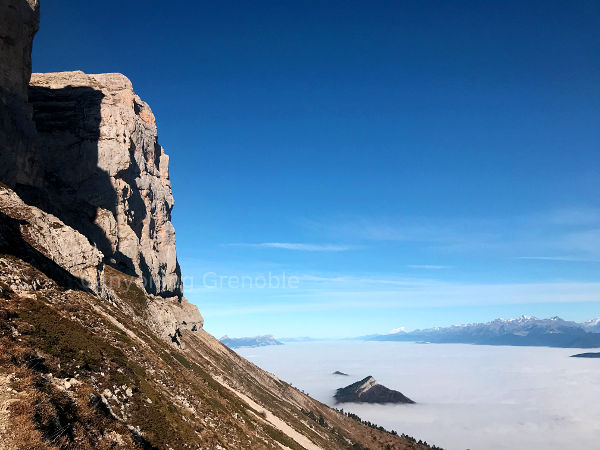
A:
[93, 160]
[368, 390]
[80, 151]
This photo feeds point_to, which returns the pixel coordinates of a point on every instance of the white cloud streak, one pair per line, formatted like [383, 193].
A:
[296, 246]
[557, 258]
[363, 295]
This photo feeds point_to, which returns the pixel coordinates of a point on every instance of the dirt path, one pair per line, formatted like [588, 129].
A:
[274, 420]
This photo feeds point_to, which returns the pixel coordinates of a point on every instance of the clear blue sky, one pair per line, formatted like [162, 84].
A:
[411, 163]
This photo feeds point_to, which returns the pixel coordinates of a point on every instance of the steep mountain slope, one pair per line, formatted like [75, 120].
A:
[82, 371]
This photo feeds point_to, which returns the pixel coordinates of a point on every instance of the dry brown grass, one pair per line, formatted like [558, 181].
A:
[175, 400]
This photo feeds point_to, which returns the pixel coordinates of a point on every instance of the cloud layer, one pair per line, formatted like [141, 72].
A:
[467, 396]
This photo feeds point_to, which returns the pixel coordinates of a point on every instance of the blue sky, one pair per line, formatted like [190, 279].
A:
[406, 163]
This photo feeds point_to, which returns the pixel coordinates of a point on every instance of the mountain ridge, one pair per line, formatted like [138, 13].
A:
[254, 341]
[524, 330]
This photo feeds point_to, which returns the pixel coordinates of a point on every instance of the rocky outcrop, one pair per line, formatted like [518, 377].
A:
[49, 244]
[97, 166]
[169, 319]
[368, 390]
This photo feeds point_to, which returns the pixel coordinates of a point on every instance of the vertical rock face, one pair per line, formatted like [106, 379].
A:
[19, 20]
[84, 149]
[98, 167]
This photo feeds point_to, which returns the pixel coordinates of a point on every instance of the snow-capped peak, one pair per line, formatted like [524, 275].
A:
[398, 330]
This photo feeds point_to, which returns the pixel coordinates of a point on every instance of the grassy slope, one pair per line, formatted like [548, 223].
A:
[84, 373]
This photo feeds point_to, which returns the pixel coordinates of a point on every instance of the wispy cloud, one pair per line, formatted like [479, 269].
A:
[558, 258]
[296, 246]
[428, 266]
[462, 233]
[574, 216]
[574, 232]
[434, 294]
[349, 280]
[585, 241]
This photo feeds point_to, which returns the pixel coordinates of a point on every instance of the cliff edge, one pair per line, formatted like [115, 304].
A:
[98, 166]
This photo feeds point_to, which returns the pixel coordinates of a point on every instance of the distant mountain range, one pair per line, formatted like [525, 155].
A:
[553, 332]
[256, 341]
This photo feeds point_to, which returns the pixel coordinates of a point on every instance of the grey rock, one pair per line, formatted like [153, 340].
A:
[97, 165]
[84, 181]
[167, 317]
[19, 21]
[42, 238]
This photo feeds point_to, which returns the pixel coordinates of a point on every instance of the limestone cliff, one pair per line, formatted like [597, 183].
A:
[90, 157]
[90, 357]
[87, 184]
[19, 20]
[98, 167]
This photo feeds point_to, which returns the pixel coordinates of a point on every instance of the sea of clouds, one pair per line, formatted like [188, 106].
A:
[468, 396]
